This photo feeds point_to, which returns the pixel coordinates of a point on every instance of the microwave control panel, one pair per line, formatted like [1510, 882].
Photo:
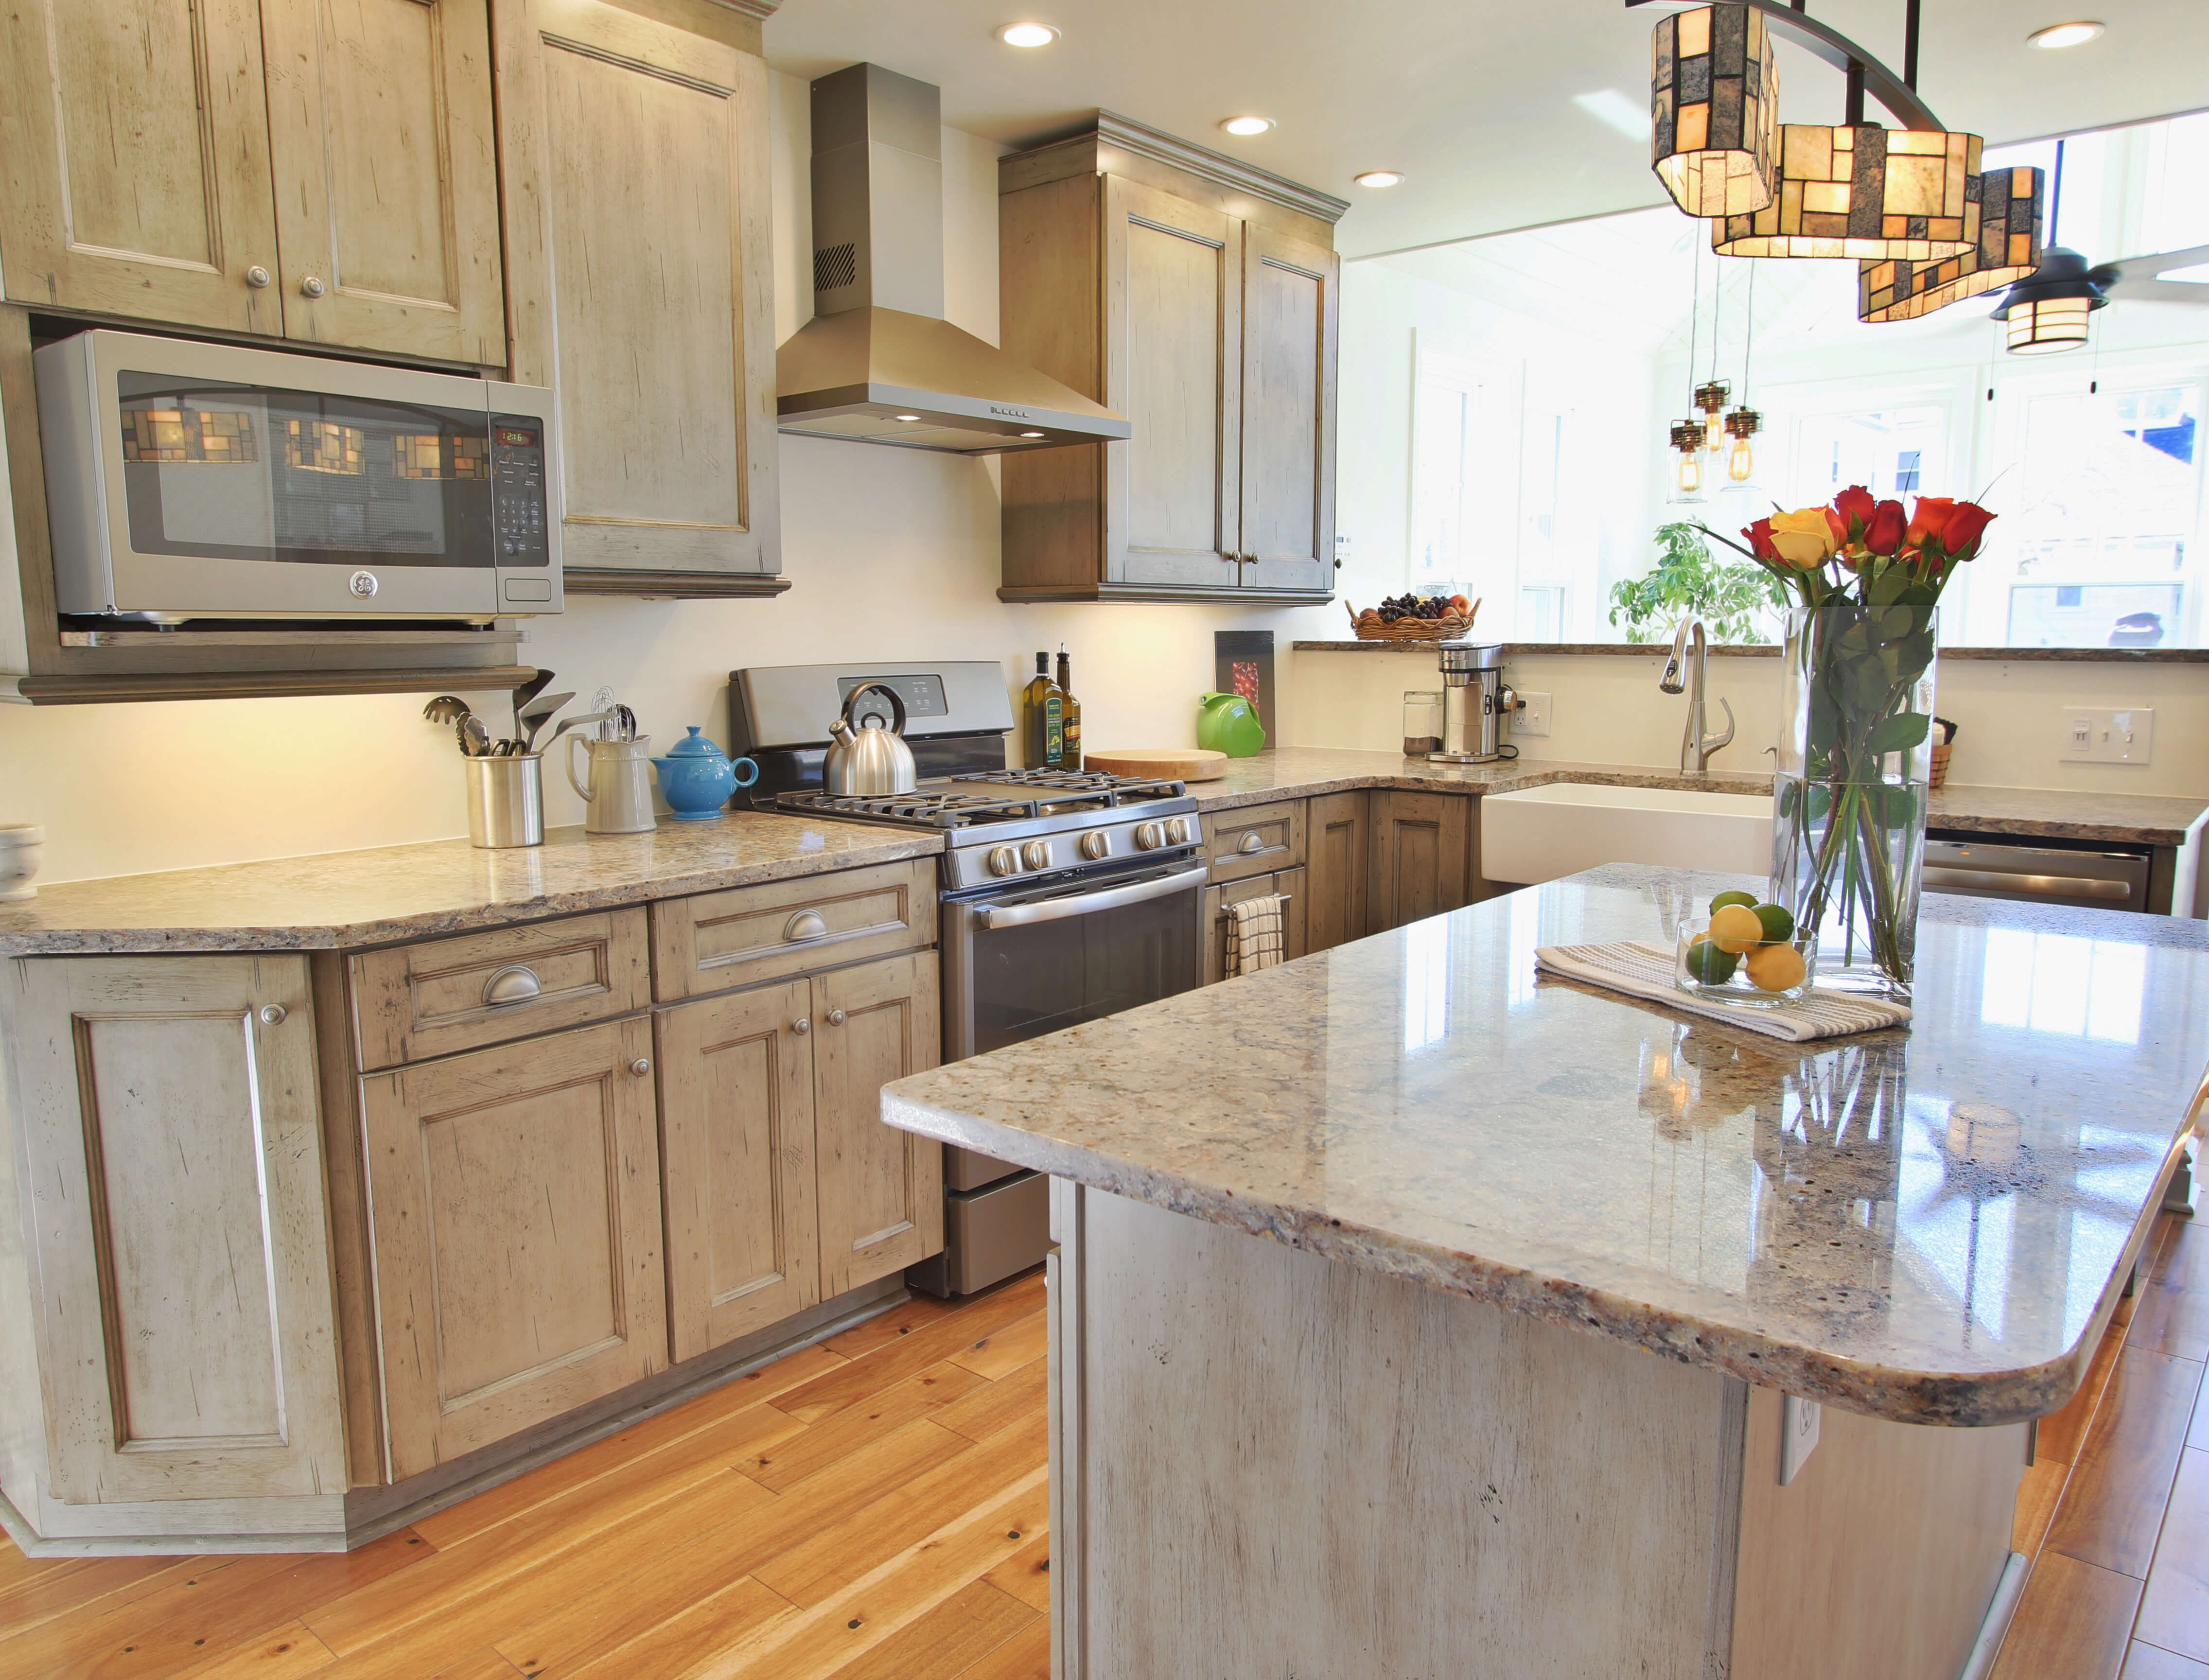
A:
[518, 501]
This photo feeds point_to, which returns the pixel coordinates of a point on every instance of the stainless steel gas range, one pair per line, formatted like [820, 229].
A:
[1065, 896]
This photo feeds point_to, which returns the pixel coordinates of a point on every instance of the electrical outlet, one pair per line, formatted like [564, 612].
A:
[2097, 735]
[1533, 716]
[1798, 1435]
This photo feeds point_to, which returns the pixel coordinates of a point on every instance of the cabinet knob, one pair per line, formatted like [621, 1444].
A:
[642, 1066]
[805, 924]
[256, 277]
[312, 286]
[801, 1025]
[515, 983]
[835, 1017]
[272, 1014]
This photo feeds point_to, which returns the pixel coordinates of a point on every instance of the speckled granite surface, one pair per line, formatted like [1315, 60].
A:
[1633, 650]
[416, 891]
[1921, 1224]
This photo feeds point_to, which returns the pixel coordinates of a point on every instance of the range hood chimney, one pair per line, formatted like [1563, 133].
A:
[878, 363]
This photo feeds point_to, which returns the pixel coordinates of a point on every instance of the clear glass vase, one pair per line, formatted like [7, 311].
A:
[1856, 733]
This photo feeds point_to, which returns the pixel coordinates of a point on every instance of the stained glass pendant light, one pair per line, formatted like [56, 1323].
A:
[1715, 92]
[1860, 190]
[2008, 251]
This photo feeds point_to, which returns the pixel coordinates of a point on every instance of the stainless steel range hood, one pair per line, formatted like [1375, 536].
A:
[878, 363]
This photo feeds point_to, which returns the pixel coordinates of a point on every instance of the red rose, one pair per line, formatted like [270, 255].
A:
[1965, 523]
[1883, 531]
[1930, 520]
[1855, 506]
[1760, 539]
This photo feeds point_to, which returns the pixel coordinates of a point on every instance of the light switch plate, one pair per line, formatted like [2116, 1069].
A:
[2102, 735]
[1533, 716]
[1798, 1435]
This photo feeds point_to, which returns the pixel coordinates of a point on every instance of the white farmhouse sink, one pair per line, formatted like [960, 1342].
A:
[1547, 832]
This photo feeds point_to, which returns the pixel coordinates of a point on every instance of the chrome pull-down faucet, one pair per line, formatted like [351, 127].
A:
[1695, 747]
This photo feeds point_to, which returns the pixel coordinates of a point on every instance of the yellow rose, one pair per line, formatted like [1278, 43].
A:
[1803, 538]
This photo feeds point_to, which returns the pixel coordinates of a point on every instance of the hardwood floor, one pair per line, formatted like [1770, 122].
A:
[2116, 1513]
[872, 1508]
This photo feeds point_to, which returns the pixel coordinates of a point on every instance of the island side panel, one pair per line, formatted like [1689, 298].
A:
[1270, 1463]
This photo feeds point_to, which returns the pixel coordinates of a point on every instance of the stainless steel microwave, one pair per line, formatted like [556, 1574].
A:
[189, 480]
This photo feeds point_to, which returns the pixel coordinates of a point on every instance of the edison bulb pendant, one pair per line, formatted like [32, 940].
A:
[1740, 461]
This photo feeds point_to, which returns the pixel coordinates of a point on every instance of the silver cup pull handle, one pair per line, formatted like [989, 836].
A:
[513, 985]
[805, 924]
[1253, 841]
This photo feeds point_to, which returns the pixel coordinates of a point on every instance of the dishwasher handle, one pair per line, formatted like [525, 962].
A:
[2036, 886]
[995, 916]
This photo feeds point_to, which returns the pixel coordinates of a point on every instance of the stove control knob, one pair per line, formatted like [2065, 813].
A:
[1149, 836]
[1096, 844]
[1036, 854]
[1178, 831]
[1003, 861]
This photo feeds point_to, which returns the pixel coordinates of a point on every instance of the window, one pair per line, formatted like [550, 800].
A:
[1906, 465]
[1889, 451]
[1446, 444]
[1542, 612]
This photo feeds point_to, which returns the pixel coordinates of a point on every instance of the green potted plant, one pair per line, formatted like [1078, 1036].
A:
[1690, 582]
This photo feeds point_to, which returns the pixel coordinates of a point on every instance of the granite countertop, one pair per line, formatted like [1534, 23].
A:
[1927, 1224]
[1771, 650]
[413, 892]
[1299, 773]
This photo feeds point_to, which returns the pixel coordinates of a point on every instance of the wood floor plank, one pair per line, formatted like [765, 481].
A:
[675, 1591]
[2150, 1662]
[2114, 1501]
[66, 1645]
[1027, 1573]
[864, 1540]
[883, 1328]
[2036, 1505]
[928, 1346]
[715, 1622]
[1006, 1350]
[850, 1623]
[79, 1583]
[2062, 1432]
[947, 1641]
[2172, 1312]
[2072, 1623]
[1004, 1402]
[794, 1457]
[1025, 1656]
[620, 1453]
[477, 1665]
[2175, 1609]
[289, 1653]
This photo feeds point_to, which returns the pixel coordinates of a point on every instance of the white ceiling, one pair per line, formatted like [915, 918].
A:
[1473, 99]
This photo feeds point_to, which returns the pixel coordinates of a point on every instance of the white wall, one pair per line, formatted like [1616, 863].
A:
[890, 552]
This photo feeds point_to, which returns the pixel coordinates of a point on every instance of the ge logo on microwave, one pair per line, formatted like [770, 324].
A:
[362, 584]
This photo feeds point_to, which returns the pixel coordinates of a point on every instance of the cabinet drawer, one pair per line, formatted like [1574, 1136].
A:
[1289, 883]
[1254, 840]
[414, 1002]
[716, 942]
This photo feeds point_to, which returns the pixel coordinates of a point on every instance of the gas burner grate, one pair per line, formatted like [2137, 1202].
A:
[929, 809]
[1116, 789]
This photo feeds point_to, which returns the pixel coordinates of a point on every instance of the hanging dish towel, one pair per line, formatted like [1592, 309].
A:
[1254, 940]
[1645, 971]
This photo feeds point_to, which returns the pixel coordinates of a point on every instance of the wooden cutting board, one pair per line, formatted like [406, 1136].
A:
[1167, 763]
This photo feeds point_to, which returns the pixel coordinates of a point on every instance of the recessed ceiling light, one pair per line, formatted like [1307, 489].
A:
[1028, 34]
[1381, 177]
[1248, 125]
[905, 417]
[2063, 34]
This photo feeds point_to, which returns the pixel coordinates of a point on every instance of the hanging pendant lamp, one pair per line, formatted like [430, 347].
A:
[1860, 190]
[2008, 251]
[1714, 91]
[2047, 310]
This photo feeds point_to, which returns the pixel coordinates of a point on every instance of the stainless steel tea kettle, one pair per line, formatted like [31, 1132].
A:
[867, 761]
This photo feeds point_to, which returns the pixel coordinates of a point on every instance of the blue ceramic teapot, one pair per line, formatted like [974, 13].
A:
[696, 778]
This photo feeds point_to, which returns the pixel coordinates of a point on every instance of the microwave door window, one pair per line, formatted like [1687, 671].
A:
[195, 466]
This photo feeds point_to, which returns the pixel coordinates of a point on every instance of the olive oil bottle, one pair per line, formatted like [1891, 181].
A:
[1043, 712]
[1070, 712]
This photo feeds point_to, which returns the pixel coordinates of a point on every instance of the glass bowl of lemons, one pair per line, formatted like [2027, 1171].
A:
[1744, 953]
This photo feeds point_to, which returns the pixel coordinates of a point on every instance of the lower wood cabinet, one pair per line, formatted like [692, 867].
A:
[1291, 885]
[514, 1193]
[1421, 862]
[1338, 848]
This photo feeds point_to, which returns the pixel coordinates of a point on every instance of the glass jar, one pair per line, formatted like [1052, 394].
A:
[1423, 723]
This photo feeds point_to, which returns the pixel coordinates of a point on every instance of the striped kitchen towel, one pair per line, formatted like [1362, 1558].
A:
[1645, 971]
[1254, 939]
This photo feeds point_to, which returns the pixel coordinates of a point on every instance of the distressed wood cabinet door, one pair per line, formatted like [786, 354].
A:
[638, 261]
[1339, 834]
[1289, 311]
[172, 1144]
[136, 179]
[387, 185]
[736, 1104]
[514, 1197]
[1422, 857]
[1173, 307]
[880, 1189]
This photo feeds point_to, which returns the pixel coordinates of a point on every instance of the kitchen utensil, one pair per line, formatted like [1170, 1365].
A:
[475, 739]
[506, 800]
[22, 845]
[696, 778]
[624, 722]
[1229, 724]
[1160, 764]
[866, 761]
[577, 722]
[618, 791]
[506, 748]
[446, 708]
[1474, 702]
[533, 715]
[526, 693]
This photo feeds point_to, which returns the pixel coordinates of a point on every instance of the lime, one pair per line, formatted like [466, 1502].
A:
[1709, 965]
[1778, 921]
[1747, 900]
[1735, 927]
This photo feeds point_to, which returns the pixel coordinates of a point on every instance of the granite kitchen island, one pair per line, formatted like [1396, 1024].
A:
[1415, 1316]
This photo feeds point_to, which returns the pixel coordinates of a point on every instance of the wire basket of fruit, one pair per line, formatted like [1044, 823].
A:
[1746, 953]
[1414, 618]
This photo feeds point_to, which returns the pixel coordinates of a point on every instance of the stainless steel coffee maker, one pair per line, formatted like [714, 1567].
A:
[1474, 702]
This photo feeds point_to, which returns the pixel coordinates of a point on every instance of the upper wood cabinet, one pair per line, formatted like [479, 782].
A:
[1196, 296]
[316, 170]
[638, 266]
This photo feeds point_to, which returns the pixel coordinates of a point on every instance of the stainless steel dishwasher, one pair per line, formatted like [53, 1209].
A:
[2089, 875]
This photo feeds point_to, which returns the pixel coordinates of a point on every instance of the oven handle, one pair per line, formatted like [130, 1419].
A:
[1111, 898]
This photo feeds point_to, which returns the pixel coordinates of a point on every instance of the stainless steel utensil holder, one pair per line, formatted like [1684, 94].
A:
[506, 800]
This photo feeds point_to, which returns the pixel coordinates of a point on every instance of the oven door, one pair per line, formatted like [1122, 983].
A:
[1018, 965]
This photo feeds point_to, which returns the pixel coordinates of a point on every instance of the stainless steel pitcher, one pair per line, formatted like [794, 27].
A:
[867, 761]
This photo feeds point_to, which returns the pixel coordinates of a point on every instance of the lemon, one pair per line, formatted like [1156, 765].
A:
[1709, 965]
[1778, 921]
[1725, 898]
[1776, 967]
[1735, 927]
